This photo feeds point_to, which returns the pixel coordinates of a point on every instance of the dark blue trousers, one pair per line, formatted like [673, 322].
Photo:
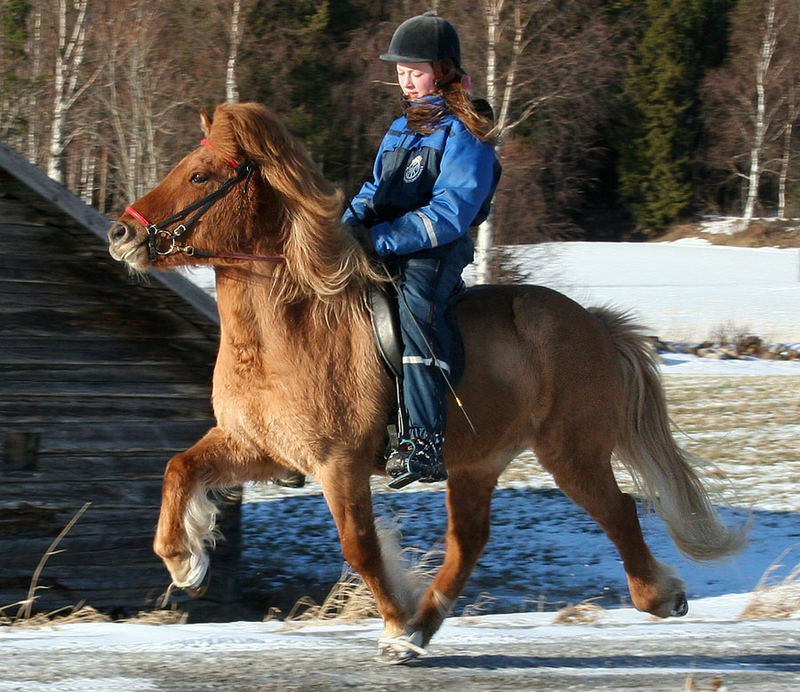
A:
[427, 283]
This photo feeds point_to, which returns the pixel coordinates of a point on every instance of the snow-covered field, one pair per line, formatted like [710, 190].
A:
[544, 552]
[683, 290]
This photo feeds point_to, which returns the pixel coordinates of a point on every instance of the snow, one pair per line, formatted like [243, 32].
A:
[684, 291]
[243, 635]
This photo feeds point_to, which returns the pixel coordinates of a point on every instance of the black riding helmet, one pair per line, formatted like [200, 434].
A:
[425, 38]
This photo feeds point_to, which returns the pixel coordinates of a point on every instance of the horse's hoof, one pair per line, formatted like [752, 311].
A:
[681, 606]
[400, 650]
[200, 589]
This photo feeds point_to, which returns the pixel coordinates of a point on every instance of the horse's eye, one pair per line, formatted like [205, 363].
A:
[199, 178]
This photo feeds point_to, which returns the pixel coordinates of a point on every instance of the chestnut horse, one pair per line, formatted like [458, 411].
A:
[299, 384]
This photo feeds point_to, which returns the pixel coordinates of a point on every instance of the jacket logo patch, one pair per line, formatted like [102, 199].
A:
[413, 169]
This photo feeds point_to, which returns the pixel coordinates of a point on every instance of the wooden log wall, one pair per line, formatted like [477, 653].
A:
[102, 379]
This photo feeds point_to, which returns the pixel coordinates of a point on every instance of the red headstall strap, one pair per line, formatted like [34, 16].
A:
[231, 162]
[136, 215]
[159, 231]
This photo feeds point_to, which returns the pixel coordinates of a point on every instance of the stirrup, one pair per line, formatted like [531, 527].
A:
[415, 459]
[403, 480]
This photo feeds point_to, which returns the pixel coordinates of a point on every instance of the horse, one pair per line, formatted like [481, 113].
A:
[298, 384]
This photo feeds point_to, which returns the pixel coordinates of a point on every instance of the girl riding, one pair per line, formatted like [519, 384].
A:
[434, 177]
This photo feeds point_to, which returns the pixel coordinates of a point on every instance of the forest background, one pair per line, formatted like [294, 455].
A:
[615, 118]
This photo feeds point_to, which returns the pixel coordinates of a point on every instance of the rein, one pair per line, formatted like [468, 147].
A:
[159, 234]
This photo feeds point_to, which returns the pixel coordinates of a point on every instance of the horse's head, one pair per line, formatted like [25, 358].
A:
[248, 169]
[249, 192]
[184, 209]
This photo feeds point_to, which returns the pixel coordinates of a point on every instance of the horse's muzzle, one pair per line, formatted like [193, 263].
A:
[123, 244]
[119, 234]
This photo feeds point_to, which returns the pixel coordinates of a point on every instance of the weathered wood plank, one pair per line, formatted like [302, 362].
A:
[113, 376]
[140, 492]
[103, 320]
[93, 464]
[57, 198]
[52, 409]
[177, 435]
[128, 379]
[41, 519]
[77, 351]
[36, 241]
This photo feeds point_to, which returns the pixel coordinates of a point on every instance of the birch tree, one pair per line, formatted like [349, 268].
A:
[752, 103]
[67, 85]
[231, 86]
[546, 62]
[769, 39]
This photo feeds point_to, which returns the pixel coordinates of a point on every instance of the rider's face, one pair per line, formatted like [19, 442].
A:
[416, 79]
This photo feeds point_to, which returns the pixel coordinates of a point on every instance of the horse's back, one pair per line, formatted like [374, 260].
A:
[547, 325]
[535, 358]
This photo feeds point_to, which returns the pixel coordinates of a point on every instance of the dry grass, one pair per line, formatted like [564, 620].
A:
[585, 613]
[746, 429]
[775, 601]
[714, 685]
[64, 616]
[25, 618]
[350, 600]
[163, 616]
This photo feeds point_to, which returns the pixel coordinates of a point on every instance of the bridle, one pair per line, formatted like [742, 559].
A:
[158, 234]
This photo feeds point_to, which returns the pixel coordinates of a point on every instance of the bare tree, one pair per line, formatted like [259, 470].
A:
[551, 61]
[231, 86]
[769, 38]
[791, 99]
[67, 86]
[752, 101]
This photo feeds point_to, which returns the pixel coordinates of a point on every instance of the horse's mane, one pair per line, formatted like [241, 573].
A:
[323, 261]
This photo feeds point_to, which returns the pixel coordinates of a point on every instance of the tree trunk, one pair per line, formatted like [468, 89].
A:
[483, 250]
[231, 88]
[69, 56]
[760, 123]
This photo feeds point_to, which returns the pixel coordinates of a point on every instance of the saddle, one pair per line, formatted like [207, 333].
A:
[385, 319]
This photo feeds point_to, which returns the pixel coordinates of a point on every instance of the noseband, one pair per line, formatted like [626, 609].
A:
[161, 241]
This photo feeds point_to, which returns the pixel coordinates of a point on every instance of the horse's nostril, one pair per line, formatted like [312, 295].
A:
[118, 232]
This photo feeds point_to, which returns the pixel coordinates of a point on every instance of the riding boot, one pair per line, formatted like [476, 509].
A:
[416, 458]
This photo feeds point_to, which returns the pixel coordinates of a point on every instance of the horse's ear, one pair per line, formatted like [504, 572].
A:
[205, 122]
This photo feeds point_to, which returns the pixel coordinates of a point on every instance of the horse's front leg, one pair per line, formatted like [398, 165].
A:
[347, 492]
[186, 524]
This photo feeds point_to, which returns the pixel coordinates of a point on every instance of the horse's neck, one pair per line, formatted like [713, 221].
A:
[250, 306]
[244, 297]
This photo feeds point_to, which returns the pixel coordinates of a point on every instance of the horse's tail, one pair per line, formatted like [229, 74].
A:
[660, 468]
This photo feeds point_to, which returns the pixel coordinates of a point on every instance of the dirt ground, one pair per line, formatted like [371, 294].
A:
[783, 233]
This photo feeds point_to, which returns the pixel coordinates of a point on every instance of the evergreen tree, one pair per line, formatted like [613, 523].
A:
[662, 129]
[13, 35]
[296, 69]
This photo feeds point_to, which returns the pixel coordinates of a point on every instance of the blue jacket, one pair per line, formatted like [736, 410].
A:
[427, 189]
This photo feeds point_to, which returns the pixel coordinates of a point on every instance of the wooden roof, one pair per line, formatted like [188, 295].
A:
[102, 378]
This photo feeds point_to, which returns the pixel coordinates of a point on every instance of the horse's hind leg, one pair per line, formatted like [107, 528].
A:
[186, 521]
[587, 478]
